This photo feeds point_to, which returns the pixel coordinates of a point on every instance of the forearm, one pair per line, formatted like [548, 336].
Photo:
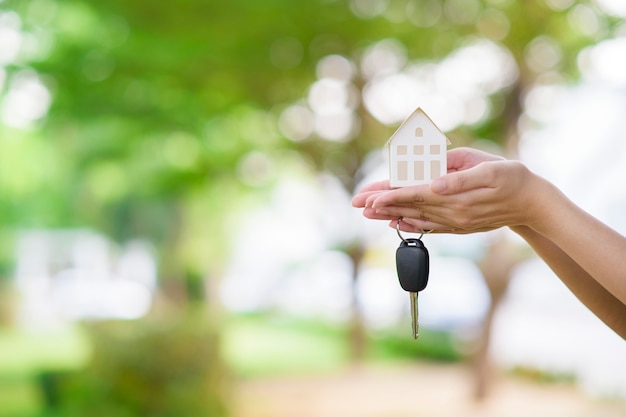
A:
[598, 299]
[595, 247]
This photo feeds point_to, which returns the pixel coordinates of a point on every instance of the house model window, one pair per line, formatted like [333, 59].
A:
[417, 151]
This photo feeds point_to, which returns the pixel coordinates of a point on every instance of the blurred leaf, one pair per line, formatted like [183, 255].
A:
[155, 103]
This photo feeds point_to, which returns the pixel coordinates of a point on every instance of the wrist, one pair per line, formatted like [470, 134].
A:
[546, 208]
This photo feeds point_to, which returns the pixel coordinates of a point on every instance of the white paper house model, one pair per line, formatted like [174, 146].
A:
[417, 152]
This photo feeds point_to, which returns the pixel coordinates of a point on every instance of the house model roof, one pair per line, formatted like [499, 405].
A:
[414, 119]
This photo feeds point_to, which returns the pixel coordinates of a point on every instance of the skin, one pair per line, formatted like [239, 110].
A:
[483, 192]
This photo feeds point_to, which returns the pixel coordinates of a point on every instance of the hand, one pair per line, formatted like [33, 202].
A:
[480, 192]
[459, 159]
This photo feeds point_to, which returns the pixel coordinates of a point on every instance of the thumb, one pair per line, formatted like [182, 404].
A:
[485, 174]
[454, 183]
[479, 176]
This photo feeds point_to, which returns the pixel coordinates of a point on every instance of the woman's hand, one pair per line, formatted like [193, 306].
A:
[480, 192]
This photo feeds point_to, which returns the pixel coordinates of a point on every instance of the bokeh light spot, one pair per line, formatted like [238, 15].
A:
[336, 67]
[366, 9]
[425, 13]
[10, 37]
[296, 123]
[605, 61]
[493, 24]
[255, 169]
[385, 57]
[612, 7]
[27, 100]
[542, 54]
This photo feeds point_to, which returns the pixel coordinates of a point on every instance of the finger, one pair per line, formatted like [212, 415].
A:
[361, 199]
[365, 199]
[460, 159]
[416, 226]
[402, 211]
[401, 196]
[463, 181]
[404, 226]
[375, 186]
[370, 213]
[420, 226]
[457, 159]
[413, 226]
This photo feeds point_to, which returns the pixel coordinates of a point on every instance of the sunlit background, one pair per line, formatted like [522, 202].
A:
[177, 235]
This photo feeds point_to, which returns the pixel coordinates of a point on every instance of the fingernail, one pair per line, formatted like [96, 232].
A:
[382, 212]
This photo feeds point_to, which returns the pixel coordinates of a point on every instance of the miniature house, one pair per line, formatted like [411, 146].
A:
[417, 151]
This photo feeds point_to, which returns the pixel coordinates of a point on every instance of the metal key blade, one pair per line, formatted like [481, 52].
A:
[414, 315]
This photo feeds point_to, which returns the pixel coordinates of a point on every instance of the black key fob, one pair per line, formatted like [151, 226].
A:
[412, 264]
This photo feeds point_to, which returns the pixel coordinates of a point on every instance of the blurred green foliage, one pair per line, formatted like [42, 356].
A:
[154, 106]
[270, 344]
[150, 358]
[26, 356]
[166, 367]
[21, 352]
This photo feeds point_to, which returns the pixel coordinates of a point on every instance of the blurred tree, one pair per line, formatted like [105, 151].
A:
[153, 106]
[429, 52]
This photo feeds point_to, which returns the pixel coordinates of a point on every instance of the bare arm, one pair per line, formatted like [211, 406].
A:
[597, 298]
[595, 247]
[482, 192]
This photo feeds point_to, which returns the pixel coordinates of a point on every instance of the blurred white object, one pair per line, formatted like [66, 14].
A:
[77, 274]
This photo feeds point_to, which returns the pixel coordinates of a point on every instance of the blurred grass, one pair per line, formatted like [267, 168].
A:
[259, 345]
[30, 352]
[25, 356]
[256, 345]
[19, 397]
[397, 344]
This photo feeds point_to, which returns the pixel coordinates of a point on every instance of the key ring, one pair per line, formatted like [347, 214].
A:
[400, 235]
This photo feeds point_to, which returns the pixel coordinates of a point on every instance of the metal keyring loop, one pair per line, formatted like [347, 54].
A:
[400, 235]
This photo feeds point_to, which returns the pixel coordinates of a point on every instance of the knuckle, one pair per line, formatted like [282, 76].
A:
[459, 182]
[417, 201]
[465, 222]
[463, 207]
[491, 172]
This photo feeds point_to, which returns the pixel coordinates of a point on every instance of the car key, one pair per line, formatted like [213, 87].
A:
[412, 264]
